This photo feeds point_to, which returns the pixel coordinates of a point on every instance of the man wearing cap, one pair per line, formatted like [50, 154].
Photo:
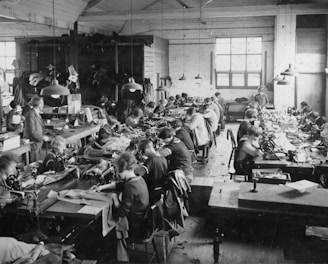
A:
[261, 97]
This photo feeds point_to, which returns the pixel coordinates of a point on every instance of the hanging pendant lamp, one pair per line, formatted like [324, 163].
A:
[288, 72]
[198, 77]
[283, 81]
[183, 77]
[55, 89]
[161, 88]
[132, 86]
[277, 78]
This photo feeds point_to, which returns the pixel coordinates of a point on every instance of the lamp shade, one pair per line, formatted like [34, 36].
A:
[288, 72]
[277, 78]
[132, 86]
[54, 89]
[161, 88]
[198, 77]
[182, 78]
[283, 82]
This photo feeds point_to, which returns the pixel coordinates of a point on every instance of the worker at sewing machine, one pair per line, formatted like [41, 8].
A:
[134, 202]
[55, 159]
[246, 151]
[95, 150]
[8, 164]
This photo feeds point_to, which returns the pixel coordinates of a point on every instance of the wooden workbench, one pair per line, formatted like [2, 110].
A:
[73, 135]
[230, 199]
[22, 150]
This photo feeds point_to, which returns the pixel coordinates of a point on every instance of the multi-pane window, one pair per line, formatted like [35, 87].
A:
[238, 62]
[7, 58]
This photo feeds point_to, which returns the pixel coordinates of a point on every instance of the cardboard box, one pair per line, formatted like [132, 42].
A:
[11, 142]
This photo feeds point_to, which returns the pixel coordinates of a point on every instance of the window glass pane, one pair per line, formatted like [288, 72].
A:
[222, 62]
[238, 62]
[238, 79]
[3, 62]
[223, 46]
[9, 77]
[2, 49]
[9, 62]
[222, 79]
[238, 45]
[10, 49]
[254, 79]
[254, 45]
[254, 62]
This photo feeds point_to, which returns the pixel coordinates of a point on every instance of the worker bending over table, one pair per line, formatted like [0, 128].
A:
[246, 151]
[95, 151]
[177, 153]
[132, 208]
[8, 164]
[55, 160]
[156, 170]
[250, 117]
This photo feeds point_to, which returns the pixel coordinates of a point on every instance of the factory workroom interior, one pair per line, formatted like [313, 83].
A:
[163, 131]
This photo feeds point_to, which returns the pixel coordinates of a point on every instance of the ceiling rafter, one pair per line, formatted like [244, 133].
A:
[232, 11]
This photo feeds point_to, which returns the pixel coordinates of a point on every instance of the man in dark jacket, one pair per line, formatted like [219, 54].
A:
[34, 128]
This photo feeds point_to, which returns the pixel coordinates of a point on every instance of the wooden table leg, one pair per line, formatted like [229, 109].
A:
[217, 239]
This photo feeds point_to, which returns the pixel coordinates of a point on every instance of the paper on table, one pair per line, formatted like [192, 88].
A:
[302, 185]
[87, 209]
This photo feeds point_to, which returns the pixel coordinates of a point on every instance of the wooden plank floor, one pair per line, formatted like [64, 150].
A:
[253, 241]
[194, 244]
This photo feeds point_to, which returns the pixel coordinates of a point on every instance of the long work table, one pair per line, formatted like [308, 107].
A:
[73, 135]
[232, 199]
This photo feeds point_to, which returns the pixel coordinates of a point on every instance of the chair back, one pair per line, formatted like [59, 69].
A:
[231, 136]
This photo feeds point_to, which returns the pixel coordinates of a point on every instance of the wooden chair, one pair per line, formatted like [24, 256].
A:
[231, 136]
[146, 242]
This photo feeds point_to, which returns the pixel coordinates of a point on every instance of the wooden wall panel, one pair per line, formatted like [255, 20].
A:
[311, 59]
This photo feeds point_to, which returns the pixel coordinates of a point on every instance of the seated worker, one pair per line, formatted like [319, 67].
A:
[134, 119]
[196, 123]
[134, 202]
[156, 169]
[315, 118]
[161, 108]
[247, 151]
[182, 134]
[219, 100]
[14, 118]
[171, 103]
[177, 153]
[95, 151]
[184, 98]
[210, 104]
[14, 251]
[250, 117]
[210, 116]
[261, 97]
[303, 106]
[178, 101]
[149, 109]
[8, 164]
[55, 160]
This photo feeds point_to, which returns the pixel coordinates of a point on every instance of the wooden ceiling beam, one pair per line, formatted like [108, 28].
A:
[18, 12]
[233, 11]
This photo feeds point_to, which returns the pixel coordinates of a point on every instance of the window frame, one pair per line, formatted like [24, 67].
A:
[246, 73]
[6, 70]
